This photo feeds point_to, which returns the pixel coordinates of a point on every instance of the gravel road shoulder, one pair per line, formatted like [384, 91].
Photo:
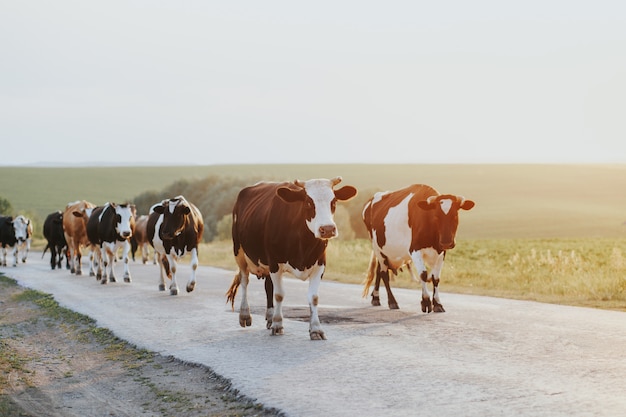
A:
[54, 362]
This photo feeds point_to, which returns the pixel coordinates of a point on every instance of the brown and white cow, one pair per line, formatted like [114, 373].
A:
[175, 227]
[75, 219]
[412, 227]
[109, 228]
[140, 239]
[284, 227]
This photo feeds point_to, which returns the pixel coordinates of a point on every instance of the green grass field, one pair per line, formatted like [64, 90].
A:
[554, 233]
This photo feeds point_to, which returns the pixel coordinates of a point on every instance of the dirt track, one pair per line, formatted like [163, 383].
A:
[482, 357]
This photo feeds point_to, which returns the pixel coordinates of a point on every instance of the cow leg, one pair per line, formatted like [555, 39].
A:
[435, 276]
[112, 258]
[245, 319]
[418, 261]
[4, 257]
[95, 257]
[391, 300]
[269, 296]
[15, 250]
[171, 259]
[26, 250]
[375, 291]
[78, 269]
[93, 260]
[102, 266]
[279, 295]
[127, 277]
[191, 284]
[315, 327]
[164, 269]
[53, 257]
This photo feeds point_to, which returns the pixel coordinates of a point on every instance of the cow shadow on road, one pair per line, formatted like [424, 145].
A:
[338, 316]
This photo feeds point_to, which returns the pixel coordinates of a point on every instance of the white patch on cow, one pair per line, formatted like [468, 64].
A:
[20, 224]
[446, 205]
[124, 225]
[398, 235]
[321, 192]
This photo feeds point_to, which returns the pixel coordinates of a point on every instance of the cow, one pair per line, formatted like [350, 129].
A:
[175, 227]
[412, 227]
[53, 232]
[140, 240]
[15, 233]
[284, 227]
[110, 227]
[75, 219]
[24, 235]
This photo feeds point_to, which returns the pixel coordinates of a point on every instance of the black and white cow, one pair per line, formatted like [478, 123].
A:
[110, 227]
[175, 227]
[53, 232]
[412, 227]
[284, 227]
[15, 233]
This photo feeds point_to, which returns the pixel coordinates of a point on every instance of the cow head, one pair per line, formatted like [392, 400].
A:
[175, 213]
[318, 200]
[83, 212]
[124, 219]
[21, 225]
[446, 215]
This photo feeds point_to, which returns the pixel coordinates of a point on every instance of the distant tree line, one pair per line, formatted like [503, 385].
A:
[215, 197]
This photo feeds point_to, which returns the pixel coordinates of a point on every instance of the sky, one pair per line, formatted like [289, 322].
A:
[229, 82]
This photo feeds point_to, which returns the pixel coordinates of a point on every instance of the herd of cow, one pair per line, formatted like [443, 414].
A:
[277, 228]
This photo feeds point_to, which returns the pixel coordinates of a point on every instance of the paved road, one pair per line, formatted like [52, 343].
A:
[483, 357]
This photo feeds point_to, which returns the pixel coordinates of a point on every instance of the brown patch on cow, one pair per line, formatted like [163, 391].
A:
[279, 298]
[315, 300]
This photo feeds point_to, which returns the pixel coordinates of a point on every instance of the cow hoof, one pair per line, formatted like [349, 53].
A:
[427, 306]
[191, 286]
[278, 331]
[393, 306]
[112, 279]
[317, 335]
[174, 291]
[104, 281]
[127, 279]
[245, 321]
[92, 274]
[438, 308]
[376, 301]
[78, 272]
[161, 287]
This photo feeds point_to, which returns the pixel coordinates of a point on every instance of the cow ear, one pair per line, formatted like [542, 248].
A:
[345, 193]
[159, 209]
[467, 204]
[290, 196]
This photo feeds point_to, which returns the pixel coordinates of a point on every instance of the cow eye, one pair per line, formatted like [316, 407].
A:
[333, 205]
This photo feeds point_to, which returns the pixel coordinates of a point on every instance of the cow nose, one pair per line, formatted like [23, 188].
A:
[326, 232]
[126, 234]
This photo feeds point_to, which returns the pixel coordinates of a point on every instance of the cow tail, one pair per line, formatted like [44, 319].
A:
[44, 250]
[371, 273]
[232, 291]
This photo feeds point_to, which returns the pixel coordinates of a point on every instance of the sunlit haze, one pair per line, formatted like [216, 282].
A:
[221, 82]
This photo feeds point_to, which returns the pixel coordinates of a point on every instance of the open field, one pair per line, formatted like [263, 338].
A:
[513, 201]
